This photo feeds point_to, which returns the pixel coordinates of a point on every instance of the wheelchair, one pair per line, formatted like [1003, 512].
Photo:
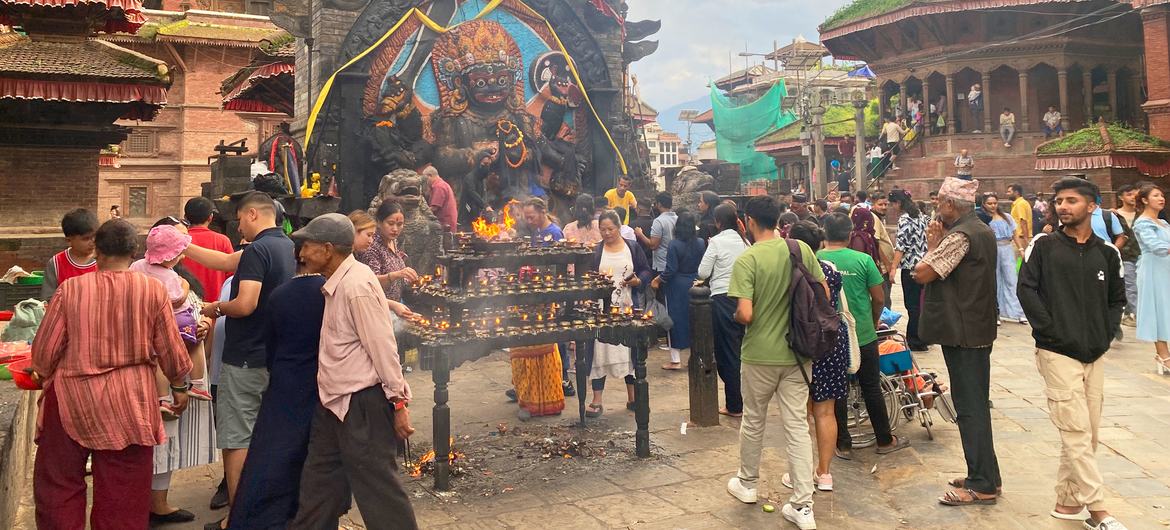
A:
[908, 392]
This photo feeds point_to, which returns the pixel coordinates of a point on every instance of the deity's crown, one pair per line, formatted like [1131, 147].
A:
[482, 45]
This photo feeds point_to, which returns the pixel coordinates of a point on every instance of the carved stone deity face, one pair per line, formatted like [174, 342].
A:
[490, 88]
[395, 96]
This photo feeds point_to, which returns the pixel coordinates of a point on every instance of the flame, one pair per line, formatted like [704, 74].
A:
[649, 314]
[417, 467]
[489, 231]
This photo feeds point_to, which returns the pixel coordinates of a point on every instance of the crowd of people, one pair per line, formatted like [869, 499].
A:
[292, 336]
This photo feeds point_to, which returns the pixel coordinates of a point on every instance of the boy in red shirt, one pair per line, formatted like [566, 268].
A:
[79, 227]
[199, 212]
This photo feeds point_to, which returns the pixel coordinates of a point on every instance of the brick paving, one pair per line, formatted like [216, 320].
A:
[682, 485]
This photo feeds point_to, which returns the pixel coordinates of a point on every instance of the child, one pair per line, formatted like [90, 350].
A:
[164, 249]
[79, 227]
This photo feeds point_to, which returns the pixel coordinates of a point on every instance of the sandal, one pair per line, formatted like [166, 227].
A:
[956, 498]
[899, 444]
[594, 410]
[672, 366]
[726, 412]
[1079, 516]
[961, 483]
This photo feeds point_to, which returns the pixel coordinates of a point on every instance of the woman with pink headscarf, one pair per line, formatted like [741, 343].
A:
[862, 237]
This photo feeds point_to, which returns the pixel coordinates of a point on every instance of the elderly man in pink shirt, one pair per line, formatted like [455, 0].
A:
[363, 394]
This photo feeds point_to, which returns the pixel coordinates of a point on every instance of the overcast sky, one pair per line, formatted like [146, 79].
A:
[697, 37]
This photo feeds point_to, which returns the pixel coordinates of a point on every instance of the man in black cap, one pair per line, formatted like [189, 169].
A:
[362, 390]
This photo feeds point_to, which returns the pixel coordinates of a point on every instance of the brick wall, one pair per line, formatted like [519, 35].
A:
[39, 184]
[187, 130]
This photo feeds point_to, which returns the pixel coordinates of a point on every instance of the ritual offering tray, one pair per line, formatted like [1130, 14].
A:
[488, 293]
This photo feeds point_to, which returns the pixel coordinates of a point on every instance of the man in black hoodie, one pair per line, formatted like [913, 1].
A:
[1072, 288]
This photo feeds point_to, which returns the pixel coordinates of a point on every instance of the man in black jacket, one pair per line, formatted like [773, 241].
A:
[1072, 289]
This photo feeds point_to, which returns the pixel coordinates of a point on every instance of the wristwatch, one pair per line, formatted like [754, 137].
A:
[218, 310]
[181, 389]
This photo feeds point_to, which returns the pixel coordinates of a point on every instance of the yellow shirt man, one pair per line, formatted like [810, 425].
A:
[1022, 215]
[622, 197]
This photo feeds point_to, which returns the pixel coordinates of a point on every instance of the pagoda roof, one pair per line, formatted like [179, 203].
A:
[266, 85]
[1105, 146]
[860, 15]
[232, 30]
[109, 16]
[89, 71]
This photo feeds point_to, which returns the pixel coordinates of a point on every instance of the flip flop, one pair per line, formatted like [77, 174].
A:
[1079, 516]
[954, 498]
[672, 366]
[726, 412]
[594, 411]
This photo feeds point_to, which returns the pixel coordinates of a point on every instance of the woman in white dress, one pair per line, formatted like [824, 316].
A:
[626, 263]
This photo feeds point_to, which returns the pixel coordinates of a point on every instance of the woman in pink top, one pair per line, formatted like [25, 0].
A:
[583, 229]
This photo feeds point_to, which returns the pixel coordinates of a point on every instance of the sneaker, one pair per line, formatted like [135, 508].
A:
[567, 387]
[822, 482]
[745, 494]
[168, 412]
[1108, 523]
[802, 517]
[199, 394]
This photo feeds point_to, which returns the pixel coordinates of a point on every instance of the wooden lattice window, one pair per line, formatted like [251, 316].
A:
[141, 143]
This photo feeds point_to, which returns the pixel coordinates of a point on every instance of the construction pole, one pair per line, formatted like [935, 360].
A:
[818, 138]
[859, 166]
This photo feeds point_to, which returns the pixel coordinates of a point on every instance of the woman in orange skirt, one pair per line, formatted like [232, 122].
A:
[536, 375]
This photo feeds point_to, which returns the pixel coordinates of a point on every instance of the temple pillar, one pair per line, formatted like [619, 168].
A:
[1087, 84]
[882, 102]
[925, 106]
[1156, 31]
[1111, 84]
[1023, 122]
[951, 110]
[1062, 85]
[987, 108]
[902, 97]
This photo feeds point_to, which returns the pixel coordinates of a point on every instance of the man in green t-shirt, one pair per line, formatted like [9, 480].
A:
[861, 282]
[760, 280]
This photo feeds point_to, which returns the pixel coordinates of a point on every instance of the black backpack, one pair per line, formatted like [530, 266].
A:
[814, 324]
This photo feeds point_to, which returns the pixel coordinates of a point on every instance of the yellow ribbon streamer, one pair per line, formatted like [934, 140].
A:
[437, 28]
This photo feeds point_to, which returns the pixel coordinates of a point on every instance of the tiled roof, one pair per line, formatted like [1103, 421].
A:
[186, 31]
[21, 57]
[281, 44]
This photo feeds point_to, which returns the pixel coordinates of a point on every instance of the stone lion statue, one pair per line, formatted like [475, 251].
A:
[687, 186]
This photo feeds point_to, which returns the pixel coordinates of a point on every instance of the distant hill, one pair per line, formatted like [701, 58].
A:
[668, 118]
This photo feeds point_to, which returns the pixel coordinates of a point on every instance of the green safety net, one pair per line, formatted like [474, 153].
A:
[738, 127]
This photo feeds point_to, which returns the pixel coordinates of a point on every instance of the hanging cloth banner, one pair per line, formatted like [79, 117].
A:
[438, 28]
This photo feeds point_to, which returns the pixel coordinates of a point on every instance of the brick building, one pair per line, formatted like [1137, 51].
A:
[60, 94]
[1111, 64]
[162, 163]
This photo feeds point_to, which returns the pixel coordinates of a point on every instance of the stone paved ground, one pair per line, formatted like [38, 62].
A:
[682, 485]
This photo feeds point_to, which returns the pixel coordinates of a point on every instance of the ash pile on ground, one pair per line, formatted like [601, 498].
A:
[507, 455]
